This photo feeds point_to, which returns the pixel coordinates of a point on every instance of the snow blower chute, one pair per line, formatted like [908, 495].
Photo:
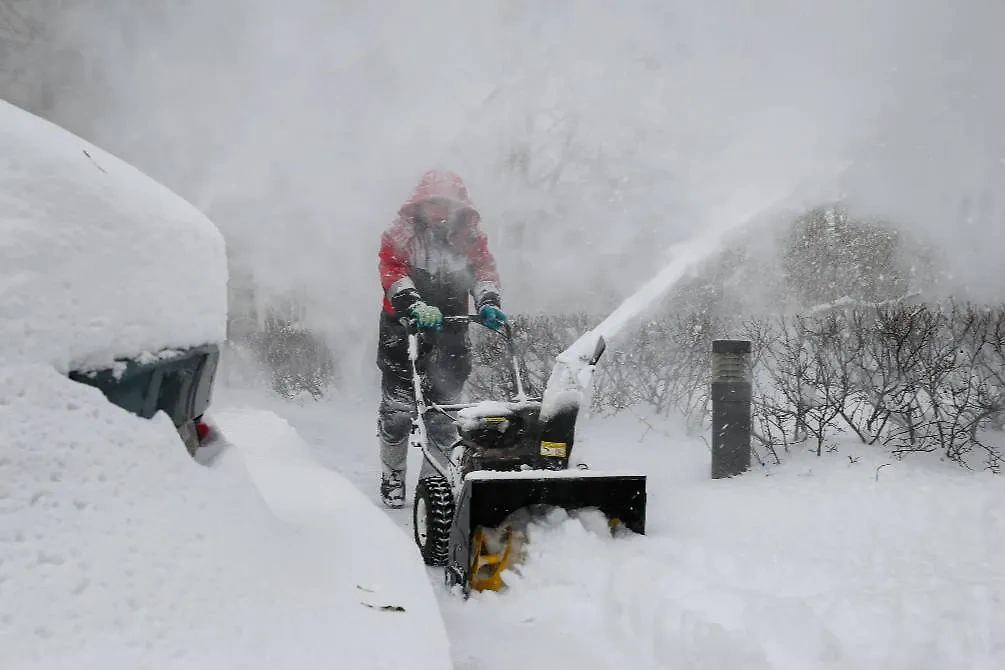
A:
[491, 466]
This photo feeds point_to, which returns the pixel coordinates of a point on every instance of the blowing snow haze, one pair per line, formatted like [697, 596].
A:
[592, 134]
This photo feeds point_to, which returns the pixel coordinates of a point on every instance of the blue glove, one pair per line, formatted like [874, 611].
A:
[492, 317]
[427, 316]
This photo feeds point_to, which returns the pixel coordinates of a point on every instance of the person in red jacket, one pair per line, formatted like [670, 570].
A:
[433, 260]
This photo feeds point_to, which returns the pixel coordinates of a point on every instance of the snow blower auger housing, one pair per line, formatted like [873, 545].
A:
[497, 466]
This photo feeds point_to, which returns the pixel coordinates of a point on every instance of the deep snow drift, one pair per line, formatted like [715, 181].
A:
[97, 260]
[119, 551]
[851, 560]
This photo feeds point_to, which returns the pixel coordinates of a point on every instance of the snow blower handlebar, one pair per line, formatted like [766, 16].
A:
[412, 324]
[507, 331]
[507, 334]
[477, 318]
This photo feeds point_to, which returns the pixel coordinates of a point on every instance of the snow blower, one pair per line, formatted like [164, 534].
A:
[490, 467]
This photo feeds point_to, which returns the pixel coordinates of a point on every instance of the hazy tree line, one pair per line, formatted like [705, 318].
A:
[904, 376]
[851, 337]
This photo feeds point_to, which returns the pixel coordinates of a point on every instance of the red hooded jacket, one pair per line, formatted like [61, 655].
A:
[441, 267]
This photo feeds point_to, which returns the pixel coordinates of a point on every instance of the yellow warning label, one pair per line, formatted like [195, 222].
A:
[495, 419]
[553, 449]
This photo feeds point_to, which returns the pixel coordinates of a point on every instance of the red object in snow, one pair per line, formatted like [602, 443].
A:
[202, 429]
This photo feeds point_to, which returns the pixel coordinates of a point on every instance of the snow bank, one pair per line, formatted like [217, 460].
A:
[373, 567]
[97, 260]
[847, 561]
[117, 550]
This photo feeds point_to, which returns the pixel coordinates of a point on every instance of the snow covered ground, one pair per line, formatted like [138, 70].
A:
[818, 564]
[851, 560]
[117, 550]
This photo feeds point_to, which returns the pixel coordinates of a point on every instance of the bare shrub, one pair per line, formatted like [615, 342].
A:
[297, 359]
[909, 377]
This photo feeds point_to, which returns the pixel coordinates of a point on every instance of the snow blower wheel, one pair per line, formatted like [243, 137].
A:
[432, 514]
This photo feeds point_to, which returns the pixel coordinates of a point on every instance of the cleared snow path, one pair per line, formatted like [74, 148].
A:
[832, 562]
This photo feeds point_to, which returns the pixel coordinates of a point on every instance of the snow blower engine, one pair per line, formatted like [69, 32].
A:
[497, 466]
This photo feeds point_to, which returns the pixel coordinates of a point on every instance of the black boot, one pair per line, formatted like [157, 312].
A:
[392, 488]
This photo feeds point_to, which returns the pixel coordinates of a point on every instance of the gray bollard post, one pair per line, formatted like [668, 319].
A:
[731, 394]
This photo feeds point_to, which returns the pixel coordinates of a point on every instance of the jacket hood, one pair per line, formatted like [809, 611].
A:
[442, 186]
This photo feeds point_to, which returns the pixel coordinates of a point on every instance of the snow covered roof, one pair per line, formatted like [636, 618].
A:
[97, 260]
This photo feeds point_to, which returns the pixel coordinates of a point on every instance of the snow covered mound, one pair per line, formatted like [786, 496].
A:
[852, 560]
[372, 572]
[97, 260]
[117, 550]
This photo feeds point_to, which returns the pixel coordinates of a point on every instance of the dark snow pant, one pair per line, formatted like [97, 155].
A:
[444, 365]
